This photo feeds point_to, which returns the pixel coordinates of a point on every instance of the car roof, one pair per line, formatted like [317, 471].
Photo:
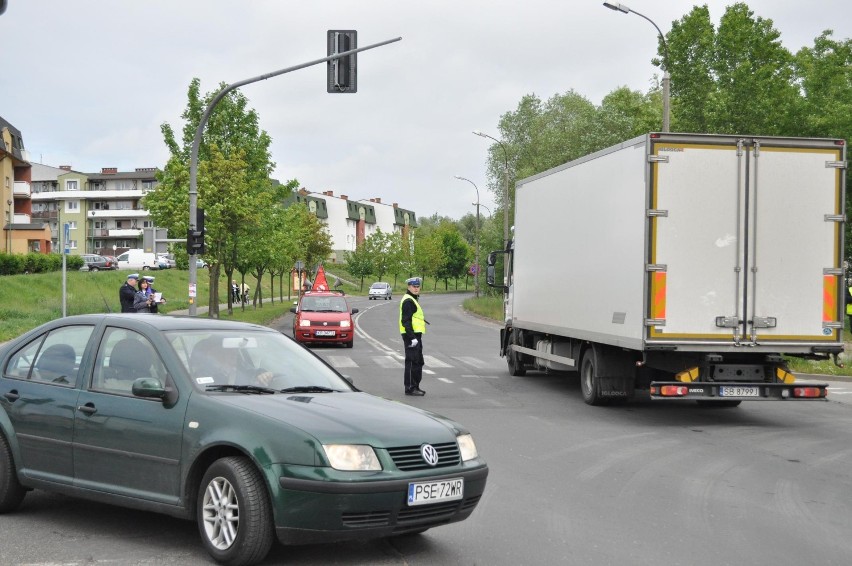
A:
[171, 322]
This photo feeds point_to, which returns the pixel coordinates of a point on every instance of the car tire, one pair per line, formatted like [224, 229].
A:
[233, 495]
[93, 269]
[11, 491]
[145, 268]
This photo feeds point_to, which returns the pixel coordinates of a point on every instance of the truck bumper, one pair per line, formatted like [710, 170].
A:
[738, 391]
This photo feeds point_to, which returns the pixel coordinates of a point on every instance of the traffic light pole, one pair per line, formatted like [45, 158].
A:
[196, 143]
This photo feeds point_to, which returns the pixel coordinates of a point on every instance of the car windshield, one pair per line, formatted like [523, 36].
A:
[251, 362]
[323, 304]
[379, 286]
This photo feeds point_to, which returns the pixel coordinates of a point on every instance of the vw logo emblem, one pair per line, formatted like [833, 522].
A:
[430, 455]
[325, 324]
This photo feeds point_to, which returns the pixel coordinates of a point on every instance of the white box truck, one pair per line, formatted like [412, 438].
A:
[684, 264]
[138, 259]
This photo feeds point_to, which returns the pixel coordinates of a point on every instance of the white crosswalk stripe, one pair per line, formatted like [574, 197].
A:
[387, 362]
[341, 361]
[434, 362]
[474, 362]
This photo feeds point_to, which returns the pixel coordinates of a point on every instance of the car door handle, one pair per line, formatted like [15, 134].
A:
[88, 408]
[12, 396]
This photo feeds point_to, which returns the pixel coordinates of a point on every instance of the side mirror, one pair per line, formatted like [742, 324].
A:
[354, 311]
[489, 273]
[492, 259]
[293, 310]
[148, 387]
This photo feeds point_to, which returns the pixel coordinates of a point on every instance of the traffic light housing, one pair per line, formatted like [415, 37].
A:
[195, 236]
[342, 73]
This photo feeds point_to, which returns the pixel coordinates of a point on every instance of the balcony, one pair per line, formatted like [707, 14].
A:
[45, 215]
[126, 233]
[22, 189]
[119, 213]
[22, 219]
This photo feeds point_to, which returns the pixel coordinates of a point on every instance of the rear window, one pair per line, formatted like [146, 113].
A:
[379, 286]
[324, 304]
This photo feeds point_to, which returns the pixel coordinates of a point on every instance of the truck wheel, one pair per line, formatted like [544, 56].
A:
[234, 513]
[11, 491]
[589, 379]
[516, 368]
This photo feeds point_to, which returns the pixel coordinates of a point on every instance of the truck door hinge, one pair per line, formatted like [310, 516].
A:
[655, 322]
[835, 165]
[651, 212]
[832, 271]
[658, 159]
[835, 218]
[763, 322]
[728, 321]
[757, 148]
[656, 267]
[832, 324]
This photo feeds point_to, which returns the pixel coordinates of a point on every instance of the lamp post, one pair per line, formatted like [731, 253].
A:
[196, 144]
[476, 265]
[666, 77]
[9, 226]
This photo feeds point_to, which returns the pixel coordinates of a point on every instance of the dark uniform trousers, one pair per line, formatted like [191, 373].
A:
[413, 363]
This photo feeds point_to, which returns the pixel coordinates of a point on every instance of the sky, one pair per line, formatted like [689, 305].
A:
[89, 82]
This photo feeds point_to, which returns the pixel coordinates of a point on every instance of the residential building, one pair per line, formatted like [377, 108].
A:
[21, 233]
[350, 222]
[102, 210]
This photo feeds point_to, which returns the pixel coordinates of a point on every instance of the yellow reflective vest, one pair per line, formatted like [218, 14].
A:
[849, 304]
[418, 322]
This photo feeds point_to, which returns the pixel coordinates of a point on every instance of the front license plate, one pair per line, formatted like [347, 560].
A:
[324, 333]
[728, 391]
[422, 493]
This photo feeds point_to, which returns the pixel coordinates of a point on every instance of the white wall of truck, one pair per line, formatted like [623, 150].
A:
[675, 250]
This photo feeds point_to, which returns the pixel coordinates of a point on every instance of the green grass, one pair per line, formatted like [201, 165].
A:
[489, 307]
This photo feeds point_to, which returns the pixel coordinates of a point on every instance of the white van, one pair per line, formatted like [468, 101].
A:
[137, 259]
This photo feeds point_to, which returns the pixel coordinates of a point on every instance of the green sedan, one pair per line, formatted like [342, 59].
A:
[232, 425]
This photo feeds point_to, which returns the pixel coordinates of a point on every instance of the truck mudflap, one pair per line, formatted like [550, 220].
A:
[738, 391]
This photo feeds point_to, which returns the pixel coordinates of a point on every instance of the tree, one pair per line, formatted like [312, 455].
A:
[233, 183]
[359, 263]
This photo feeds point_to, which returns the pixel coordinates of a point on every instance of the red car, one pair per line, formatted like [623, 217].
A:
[323, 317]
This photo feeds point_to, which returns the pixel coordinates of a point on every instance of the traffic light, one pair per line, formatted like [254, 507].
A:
[195, 237]
[342, 73]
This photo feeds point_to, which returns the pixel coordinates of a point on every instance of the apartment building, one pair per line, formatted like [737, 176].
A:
[102, 210]
[21, 233]
[350, 222]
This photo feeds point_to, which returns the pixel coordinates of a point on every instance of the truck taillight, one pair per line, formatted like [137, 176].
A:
[674, 391]
[809, 392]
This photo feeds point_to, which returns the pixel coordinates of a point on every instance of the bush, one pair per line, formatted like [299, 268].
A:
[16, 264]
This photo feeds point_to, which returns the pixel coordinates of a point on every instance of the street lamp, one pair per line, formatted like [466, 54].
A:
[505, 187]
[666, 77]
[476, 265]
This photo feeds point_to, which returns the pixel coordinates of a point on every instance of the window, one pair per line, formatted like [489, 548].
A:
[147, 186]
[34, 246]
[147, 223]
[56, 356]
[124, 185]
[72, 224]
[123, 357]
[72, 185]
[72, 205]
[72, 244]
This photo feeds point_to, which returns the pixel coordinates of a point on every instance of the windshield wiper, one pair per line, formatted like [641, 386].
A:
[309, 389]
[240, 388]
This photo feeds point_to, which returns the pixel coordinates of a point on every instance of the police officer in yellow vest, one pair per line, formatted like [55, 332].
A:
[849, 306]
[412, 327]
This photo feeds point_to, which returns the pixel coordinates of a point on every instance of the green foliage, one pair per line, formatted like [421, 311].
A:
[13, 264]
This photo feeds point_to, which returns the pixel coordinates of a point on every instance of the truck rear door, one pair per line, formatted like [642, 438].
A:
[745, 240]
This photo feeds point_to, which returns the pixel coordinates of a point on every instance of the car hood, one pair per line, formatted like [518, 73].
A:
[350, 418]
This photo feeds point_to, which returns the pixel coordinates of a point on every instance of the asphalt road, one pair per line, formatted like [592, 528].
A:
[648, 483]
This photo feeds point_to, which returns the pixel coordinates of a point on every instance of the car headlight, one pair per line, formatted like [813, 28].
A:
[344, 324]
[352, 457]
[467, 447]
[304, 322]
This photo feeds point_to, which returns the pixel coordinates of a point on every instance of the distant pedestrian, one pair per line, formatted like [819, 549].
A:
[849, 304]
[244, 291]
[158, 297]
[412, 327]
[143, 299]
[235, 292]
[127, 293]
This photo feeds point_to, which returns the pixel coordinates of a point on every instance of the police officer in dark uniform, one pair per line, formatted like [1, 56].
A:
[412, 327]
[127, 293]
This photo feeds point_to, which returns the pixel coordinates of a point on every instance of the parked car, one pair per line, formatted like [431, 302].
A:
[229, 424]
[380, 290]
[165, 261]
[94, 262]
[323, 317]
[137, 259]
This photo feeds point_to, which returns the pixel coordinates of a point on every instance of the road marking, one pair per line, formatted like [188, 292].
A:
[475, 362]
[429, 371]
[434, 362]
[444, 379]
[480, 376]
[468, 391]
[342, 362]
[387, 362]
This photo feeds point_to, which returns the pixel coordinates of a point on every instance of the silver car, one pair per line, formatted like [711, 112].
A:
[380, 290]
